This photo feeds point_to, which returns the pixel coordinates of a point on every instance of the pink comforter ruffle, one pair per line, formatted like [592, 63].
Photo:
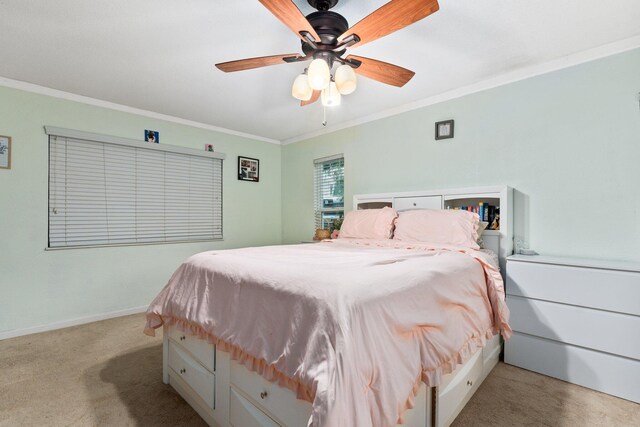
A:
[352, 326]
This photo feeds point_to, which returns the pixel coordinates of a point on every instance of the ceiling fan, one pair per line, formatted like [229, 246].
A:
[326, 36]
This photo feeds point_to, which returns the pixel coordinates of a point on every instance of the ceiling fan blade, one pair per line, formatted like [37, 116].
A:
[249, 63]
[314, 98]
[287, 12]
[391, 17]
[382, 71]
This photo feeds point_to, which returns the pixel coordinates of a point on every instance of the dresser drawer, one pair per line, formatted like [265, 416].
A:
[453, 391]
[193, 374]
[201, 350]
[428, 202]
[600, 330]
[243, 413]
[588, 287]
[607, 373]
[280, 402]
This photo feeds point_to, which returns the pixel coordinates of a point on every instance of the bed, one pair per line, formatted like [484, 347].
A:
[353, 332]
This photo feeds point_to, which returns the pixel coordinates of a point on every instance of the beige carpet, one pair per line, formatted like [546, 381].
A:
[110, 374]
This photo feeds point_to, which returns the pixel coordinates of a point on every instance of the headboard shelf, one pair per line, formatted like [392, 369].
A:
[500, 241]
[375, 204]
[470, 200]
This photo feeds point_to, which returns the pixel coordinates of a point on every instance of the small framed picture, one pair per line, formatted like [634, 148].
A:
[5, 152]
[208, 147]
[248, 169]
[444, 130]
[152, 136]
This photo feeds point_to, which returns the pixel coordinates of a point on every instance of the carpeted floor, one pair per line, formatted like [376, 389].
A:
[109, 374]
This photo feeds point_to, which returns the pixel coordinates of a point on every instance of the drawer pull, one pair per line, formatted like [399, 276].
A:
[182, 338]
[469, 383]
[414, 203]
[263, 395]
[182, 371]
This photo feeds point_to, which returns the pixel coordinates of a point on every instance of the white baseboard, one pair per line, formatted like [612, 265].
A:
[72, 322]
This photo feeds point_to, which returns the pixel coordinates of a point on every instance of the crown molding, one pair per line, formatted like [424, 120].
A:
[500, 80]
[55, 93]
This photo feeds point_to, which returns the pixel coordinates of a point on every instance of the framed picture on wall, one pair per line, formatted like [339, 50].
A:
[444, 130]
[152, 136]
[248, 169]
[5, 152]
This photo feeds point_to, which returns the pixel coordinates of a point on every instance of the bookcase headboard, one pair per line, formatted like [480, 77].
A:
[500, 241]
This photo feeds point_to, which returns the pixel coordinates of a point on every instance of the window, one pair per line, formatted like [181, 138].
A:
[112, 191]
[329, 190]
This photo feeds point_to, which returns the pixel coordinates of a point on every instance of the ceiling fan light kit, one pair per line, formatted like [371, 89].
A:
[331, 96]
[319, 74]
[301, 89]
[346, 79]
[325, 37]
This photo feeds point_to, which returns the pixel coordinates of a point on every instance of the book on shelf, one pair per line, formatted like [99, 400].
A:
[485, 211]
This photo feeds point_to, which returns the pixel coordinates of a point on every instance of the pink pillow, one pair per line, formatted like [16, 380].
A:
[448, 227]
[369, 224]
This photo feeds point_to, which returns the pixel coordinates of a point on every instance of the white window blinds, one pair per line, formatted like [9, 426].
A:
[112, 193]
[329, 190]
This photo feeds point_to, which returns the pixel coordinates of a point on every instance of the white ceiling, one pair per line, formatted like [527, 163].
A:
[158, 55]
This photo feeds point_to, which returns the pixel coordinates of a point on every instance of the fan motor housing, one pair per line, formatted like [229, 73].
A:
[329, 26]
[322, 4]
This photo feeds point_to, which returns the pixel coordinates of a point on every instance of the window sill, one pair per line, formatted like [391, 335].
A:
[120, 245]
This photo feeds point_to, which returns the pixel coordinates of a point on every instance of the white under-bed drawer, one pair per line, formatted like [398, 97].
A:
[243, 413]
[201, 350]
[201, 381]
[254, 401]
[458, 387]
[278, 401]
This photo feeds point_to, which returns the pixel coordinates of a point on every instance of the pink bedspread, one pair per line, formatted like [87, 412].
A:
[351, 325]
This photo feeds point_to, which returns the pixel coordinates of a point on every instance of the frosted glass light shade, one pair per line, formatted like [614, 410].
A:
[301, 89]
[346, 79]
[331, 96]
[319, 74]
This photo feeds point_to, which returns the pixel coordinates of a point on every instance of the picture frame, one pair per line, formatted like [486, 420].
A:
[5, 152]
[444, 129]
[248, 169]
[209, 148]
[152, 136]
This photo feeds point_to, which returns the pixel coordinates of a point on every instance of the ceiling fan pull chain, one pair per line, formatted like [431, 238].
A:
[324, 115]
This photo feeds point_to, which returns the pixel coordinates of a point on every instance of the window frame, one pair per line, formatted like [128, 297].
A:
[318, 199]
[52, 131]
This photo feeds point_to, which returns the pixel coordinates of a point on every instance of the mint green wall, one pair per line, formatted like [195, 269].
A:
[567, 141]
[39, 287]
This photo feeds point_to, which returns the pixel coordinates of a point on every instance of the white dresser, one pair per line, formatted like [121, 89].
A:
[576, 320]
